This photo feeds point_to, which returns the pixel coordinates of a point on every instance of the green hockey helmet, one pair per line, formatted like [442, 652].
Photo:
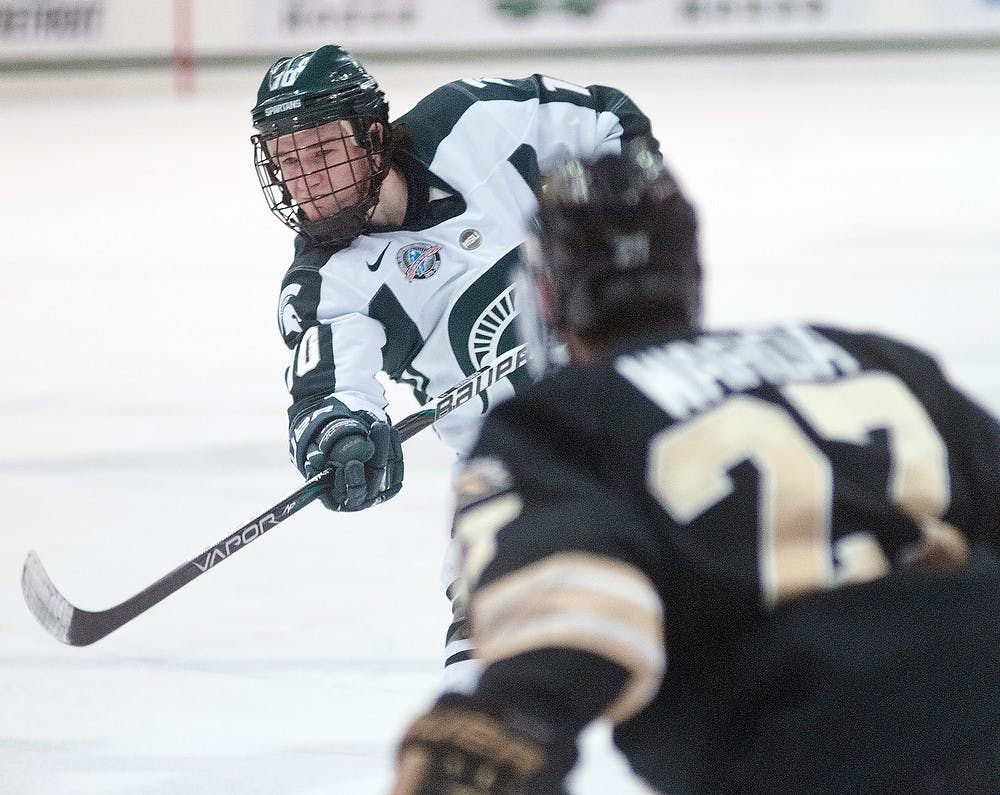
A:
[321, 149]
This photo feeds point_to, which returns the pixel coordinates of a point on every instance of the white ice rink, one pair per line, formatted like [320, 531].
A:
[142, 407]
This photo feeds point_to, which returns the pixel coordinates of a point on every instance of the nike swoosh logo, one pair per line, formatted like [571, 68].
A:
[373, 266]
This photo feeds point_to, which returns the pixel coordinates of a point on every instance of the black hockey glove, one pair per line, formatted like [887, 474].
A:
[458, 749]
[367, 458]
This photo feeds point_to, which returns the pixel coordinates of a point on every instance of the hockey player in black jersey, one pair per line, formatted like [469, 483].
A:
[407, 235]
[769, 557]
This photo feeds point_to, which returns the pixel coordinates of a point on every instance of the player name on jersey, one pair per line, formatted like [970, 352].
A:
[685, 378]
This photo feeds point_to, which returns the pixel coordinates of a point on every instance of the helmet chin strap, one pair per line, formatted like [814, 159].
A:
[338, 229]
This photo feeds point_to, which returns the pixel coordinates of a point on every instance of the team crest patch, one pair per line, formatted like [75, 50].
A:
[419, 260]
[470, 239]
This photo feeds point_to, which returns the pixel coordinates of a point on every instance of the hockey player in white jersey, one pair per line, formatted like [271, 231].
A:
[407, 234]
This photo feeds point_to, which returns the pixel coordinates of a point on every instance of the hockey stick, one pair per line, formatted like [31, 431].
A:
[77, 627]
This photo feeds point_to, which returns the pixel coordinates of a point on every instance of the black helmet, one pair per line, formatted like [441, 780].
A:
[615, 247]
[321, 179]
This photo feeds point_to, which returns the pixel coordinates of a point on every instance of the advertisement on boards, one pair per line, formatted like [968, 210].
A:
[92, 29]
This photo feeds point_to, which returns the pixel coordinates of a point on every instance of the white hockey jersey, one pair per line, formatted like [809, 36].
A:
[432, 302]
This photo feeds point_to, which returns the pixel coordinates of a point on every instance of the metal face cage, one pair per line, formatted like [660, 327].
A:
[323, 180]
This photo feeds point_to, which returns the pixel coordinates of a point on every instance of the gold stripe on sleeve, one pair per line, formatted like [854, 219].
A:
[582, 601]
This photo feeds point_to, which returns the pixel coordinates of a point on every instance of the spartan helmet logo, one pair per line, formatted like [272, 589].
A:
[284, 73]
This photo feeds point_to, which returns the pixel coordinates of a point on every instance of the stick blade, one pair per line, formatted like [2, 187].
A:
[52, 610]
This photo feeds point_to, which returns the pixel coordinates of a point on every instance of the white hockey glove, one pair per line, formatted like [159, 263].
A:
[458, 749]
[367, 457]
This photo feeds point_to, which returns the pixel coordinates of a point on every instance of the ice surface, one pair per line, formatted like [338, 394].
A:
[142, 409]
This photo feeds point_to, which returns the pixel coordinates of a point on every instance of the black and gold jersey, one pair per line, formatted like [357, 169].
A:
[768, 556]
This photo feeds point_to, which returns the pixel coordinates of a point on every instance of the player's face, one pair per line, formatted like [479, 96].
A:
[323, 168]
